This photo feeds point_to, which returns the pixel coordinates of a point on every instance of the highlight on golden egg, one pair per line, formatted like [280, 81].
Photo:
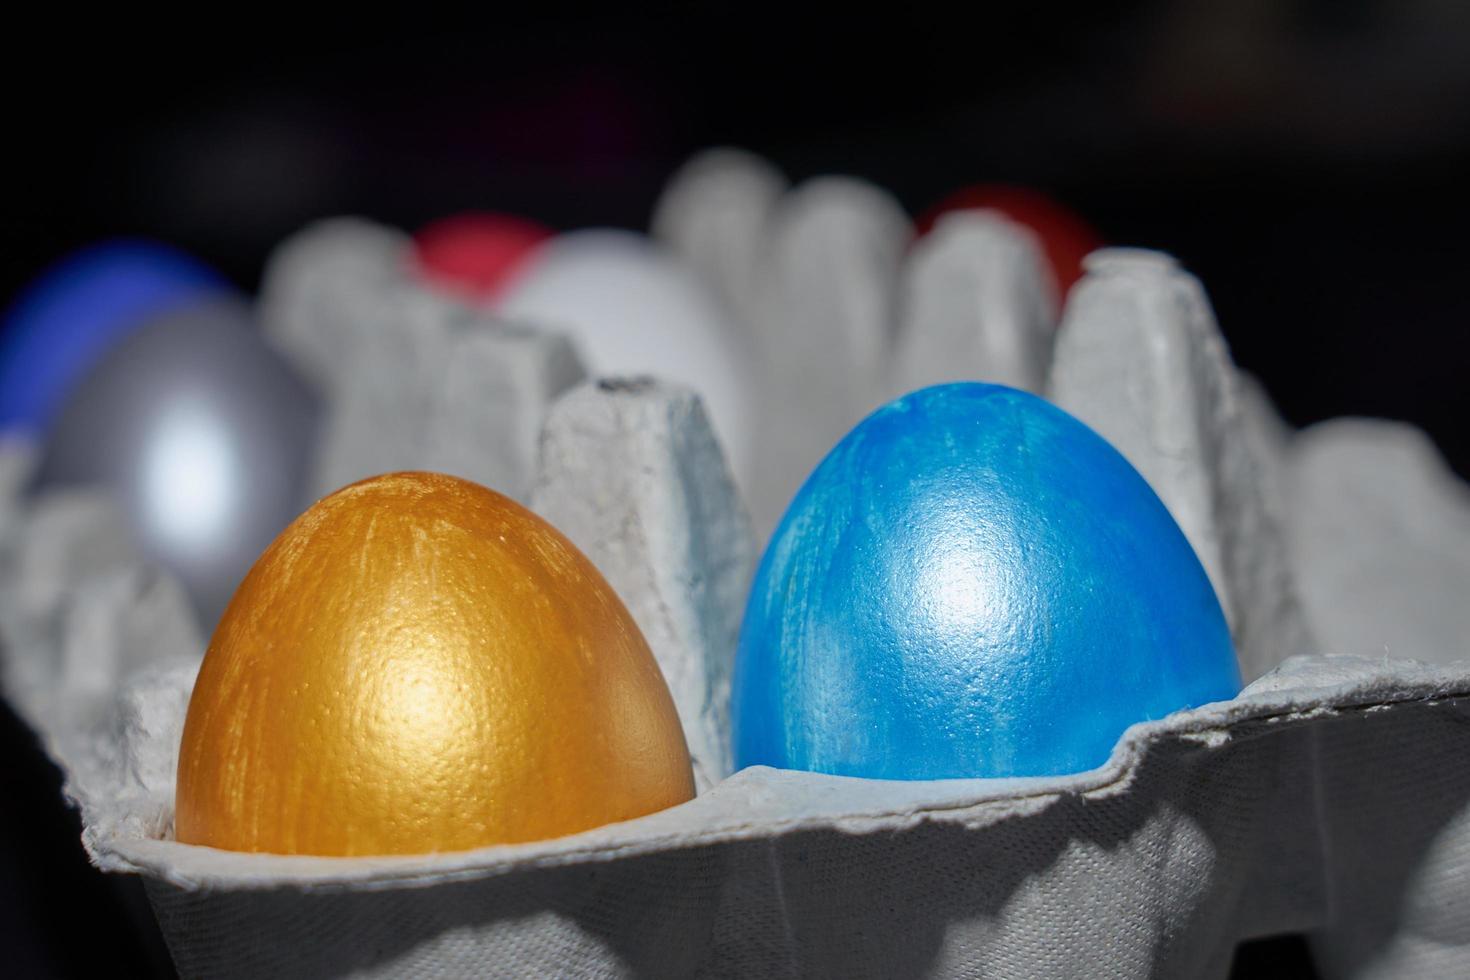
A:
[421, 664]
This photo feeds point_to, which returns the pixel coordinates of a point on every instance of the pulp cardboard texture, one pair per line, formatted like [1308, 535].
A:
[825, 277]
[974, 291]
[1378, 538]
[631, 472]
[323, 284]
[1140, 359]
[1329, 798]
[714, 214]
[416, 380]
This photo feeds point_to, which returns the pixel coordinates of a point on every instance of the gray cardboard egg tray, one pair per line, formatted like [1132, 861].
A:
[1332, 797]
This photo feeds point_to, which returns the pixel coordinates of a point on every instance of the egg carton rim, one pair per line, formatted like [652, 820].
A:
[1265, 707]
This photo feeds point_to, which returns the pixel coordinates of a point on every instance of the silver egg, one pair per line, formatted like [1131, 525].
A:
[204, 434]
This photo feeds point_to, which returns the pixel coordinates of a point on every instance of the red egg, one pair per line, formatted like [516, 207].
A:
[477, 253]
[1064, 235]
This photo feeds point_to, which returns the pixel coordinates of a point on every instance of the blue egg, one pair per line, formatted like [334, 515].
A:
[972, 583]
[69, 317]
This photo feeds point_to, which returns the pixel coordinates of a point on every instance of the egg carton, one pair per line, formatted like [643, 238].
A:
[1327, 798]
[416, 379]
[413, 379]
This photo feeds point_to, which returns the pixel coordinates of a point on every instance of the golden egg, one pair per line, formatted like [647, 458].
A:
[420, 664]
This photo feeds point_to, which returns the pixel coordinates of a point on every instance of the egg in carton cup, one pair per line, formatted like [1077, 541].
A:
[1326, 798]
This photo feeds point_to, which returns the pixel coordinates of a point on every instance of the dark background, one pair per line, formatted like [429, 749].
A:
[1306, 158]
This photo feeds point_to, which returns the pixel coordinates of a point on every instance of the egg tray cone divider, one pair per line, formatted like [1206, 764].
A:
[714, 213]
[416, 379]
[845, 309]
[1329, 797]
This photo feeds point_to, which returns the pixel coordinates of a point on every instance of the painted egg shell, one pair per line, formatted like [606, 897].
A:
[420, 664]
[631, 309]
[972, 583]
[204, 434]
[70, 316]
[478, 253]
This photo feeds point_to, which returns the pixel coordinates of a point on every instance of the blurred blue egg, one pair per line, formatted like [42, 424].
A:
[972, 583]
[69, 317]
[202, 432]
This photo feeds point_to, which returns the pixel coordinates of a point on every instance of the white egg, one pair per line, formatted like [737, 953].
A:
[632, 309]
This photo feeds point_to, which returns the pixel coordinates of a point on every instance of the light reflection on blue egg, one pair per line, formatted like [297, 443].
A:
[67, 319]
[972, 584]
[203, 432]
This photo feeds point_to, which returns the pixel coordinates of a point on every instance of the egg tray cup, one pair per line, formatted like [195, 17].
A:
[1329, 798]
